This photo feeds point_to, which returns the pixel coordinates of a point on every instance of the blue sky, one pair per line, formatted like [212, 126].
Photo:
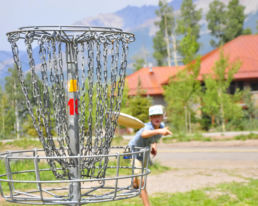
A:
[19, 13]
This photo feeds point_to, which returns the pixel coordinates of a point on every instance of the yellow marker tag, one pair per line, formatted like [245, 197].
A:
[72, 85]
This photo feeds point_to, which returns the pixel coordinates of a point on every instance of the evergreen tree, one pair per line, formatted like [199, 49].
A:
[160, 51]
[189, 18]
[217, 102]
[138, 106]
[257, 27]
[216, 18]
[187, 25]
[162, 41]
[235, 20]
[226, 23]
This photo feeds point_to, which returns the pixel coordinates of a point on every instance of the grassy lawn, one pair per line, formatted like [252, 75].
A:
[228, 194]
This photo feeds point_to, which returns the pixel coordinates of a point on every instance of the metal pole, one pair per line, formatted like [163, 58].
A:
[73, 127]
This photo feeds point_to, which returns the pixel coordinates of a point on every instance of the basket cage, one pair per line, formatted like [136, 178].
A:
[77, 77]
[34, 173]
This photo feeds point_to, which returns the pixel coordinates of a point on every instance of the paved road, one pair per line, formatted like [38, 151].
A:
[208, 157]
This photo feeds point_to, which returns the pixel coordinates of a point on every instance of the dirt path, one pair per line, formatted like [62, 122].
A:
[193, 174]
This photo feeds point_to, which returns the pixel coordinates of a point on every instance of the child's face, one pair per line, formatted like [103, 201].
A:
[156, 120]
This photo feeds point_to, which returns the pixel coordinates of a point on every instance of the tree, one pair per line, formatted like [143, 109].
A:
[3, 103]
[161, 42]
[226, 23]
[216, 101]
[189, 46]
[181, 94]
[235, 20]
[216, 18]
[14, 92]
[138, 64]
[138, 105]
[257, 27]
[252, 110]
[189, 18]
[159, 45]
[188, 25]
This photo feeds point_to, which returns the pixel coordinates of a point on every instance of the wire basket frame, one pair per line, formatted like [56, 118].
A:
[53, 192]
[83, 109]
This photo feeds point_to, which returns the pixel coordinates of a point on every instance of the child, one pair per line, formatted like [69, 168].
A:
[148, 136]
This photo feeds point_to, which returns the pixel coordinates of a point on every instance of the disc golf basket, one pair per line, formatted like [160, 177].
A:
[74, 101]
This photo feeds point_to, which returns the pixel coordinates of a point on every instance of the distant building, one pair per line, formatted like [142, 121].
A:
[244, 48]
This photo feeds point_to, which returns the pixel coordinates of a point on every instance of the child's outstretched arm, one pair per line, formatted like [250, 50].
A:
[149, 133]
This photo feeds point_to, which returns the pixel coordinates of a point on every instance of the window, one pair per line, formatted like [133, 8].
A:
[254, 86]
[232, 88]
[240, 85]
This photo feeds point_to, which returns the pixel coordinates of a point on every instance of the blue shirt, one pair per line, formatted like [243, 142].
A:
[139, 141]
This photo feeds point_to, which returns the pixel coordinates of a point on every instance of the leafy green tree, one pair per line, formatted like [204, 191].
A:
[162, 41]
[189, 46]
[216, 101]
[3, 115]
[15, 94]
[138, 106]
[138, 64]
[181, 94]
[124, 102]
[247, 31]
[252, 111]
[226, 23]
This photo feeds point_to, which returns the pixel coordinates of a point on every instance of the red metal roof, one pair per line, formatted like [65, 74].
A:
[151, 82]
[244, 48]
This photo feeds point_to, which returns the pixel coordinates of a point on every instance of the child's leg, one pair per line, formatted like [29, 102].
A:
[136, 183]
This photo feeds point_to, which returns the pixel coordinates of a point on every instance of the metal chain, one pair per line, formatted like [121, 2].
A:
[107, 105]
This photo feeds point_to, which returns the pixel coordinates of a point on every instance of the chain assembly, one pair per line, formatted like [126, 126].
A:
[100, 80]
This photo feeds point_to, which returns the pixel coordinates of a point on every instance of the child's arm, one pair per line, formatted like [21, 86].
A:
[154, 149]
[149, 133]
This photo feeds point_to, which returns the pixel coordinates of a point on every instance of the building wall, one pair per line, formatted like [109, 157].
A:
[159, 99]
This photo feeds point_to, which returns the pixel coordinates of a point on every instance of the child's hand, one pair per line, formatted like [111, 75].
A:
[164, 131]
[153, 151]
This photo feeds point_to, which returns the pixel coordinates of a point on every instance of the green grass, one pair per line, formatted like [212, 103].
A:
[226, 194]
[22, 166]
[23, 143]
[245, 137]
[199, 137]
[156, 168]
[184, 138]
[119, 141]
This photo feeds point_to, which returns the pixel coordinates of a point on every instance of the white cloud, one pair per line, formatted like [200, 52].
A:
[106, 20]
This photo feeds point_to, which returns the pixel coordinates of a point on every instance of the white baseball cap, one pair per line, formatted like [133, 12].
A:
[155, 110]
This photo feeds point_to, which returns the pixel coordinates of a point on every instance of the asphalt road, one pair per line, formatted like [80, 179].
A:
[208, 157]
